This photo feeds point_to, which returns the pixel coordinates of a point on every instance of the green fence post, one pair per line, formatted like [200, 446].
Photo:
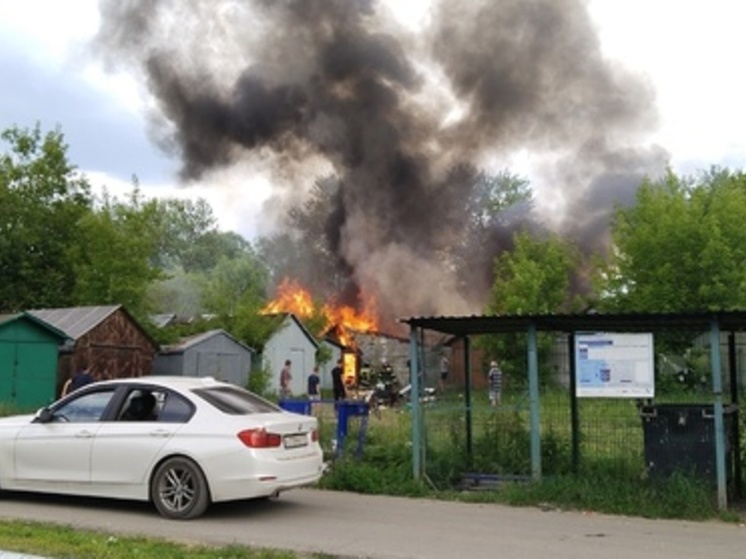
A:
[533, 384]
[717, 389]
[414, 399]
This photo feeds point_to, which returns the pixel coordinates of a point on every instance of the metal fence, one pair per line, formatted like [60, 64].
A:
[471, 443]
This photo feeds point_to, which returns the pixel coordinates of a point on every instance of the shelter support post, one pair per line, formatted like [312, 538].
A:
[467, 402]
[414, 395]
[533, 386]
[574, 412]
[736, 423]
[717, 390]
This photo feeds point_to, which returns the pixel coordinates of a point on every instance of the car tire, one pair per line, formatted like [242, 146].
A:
[179, 490]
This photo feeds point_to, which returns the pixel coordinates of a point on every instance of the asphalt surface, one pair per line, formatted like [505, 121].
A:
[350, 525]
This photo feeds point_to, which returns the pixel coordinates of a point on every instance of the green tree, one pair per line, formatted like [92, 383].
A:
[235, 282]
[235, 291]
[189, 238]
[179, 293]
[534, 278]
[490, 204]
[195, 258]
[252, 327]
[494, 194]
[113, 263]
[681, 247]
[42, 199]
[183, 223]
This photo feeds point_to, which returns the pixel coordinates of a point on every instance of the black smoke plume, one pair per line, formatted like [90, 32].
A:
[395, 113]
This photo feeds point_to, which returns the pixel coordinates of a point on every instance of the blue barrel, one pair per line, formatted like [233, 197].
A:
[352, 408]
[345, 410]
[302, 407]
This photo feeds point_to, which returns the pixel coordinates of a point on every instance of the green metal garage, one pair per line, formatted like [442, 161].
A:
[28, 361]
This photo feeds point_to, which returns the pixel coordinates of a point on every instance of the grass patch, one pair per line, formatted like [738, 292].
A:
[67, 543]
[611, 477]
[676, 497]
[604, 490]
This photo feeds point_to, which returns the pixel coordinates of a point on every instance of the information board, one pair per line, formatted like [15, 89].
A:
[614, 365]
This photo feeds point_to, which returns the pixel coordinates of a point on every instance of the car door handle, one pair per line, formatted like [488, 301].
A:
[84, 434]
[160, 433]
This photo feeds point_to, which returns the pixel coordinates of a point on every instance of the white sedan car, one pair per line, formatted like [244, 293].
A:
[179, 442]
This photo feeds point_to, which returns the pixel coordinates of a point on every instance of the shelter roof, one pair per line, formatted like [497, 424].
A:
[587, 322]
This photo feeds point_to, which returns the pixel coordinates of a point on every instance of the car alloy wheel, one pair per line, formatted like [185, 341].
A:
[179, 490]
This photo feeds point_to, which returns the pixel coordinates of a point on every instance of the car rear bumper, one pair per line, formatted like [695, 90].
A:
[266, 481]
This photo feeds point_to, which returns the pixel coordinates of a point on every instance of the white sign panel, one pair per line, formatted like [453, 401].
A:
[609, 365]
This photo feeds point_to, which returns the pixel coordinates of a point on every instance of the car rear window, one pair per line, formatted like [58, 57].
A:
[235, 401]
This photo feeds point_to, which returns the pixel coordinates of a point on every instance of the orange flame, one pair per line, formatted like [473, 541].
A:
[294, 298]
[291, 297]
[362, 321]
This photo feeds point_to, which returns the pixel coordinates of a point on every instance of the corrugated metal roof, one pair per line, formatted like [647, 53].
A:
[8, 317]
[196, 339]
[75, 321]
[162, 320]
[5, 318]
[589, 322]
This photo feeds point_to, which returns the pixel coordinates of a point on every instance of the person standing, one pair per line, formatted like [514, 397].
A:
[82, 377]
[285, 378]
[313, 389]
[443, 372]
[66, 387]
[495, 381]
[338, 381]
[313, 385]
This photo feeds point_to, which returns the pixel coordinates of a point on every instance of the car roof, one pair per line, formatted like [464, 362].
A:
[179, 383]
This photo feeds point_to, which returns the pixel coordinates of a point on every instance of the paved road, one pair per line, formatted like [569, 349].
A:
[350, 525]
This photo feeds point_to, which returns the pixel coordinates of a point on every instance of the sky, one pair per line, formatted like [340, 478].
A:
[689, 50]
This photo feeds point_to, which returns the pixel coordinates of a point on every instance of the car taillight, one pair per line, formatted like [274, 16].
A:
[315, 435]
[259, 438]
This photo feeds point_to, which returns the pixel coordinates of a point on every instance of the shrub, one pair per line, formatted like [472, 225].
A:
[260, 380]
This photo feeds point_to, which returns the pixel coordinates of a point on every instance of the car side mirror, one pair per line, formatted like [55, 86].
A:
[44, 415]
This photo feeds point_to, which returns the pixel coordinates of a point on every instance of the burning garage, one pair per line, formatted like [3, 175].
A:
[369, 357]
[292, 341]
[327, 321]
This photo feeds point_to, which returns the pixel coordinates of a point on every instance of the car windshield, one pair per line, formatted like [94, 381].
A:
[235, 401]
[85, 408]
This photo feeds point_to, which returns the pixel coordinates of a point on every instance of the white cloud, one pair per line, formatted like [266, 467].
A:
[236, 202]
[691, 51]
[50, 32]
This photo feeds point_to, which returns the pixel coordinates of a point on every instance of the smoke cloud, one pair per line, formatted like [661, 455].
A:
[393, 113]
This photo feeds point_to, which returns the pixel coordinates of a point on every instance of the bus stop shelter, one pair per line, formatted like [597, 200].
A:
[715, 323]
